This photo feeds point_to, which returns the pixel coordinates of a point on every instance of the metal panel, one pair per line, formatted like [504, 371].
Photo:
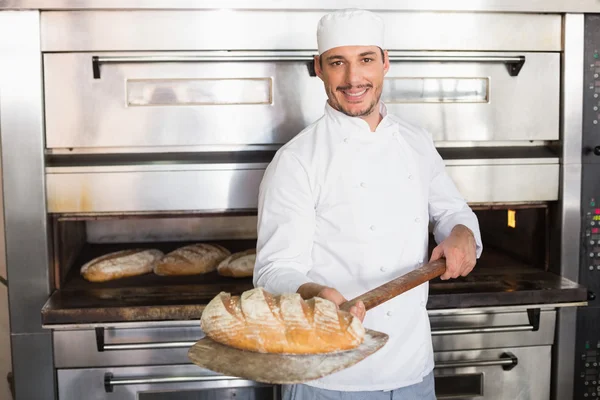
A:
[289, 30]
[175, 188]
[529, 379]
[506, 183]
[84, 112]
[570, 200]
[32, 366]
[21, 128]
[454, 341]
[160, 190]
[173, 380]
[77, 348]
[408, 5]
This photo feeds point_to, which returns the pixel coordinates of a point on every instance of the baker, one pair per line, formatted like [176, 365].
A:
[345, 206]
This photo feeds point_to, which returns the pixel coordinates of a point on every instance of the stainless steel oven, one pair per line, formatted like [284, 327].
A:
[152, 126]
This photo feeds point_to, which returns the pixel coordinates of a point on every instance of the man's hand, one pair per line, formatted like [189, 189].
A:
[310, 290]
[459, 249]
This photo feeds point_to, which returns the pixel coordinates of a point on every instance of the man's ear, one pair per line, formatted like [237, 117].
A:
[318, 69]
[386, 62]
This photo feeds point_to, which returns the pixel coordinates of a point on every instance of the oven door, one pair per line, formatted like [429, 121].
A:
[517, 373]
[246, 100]
[181, 382]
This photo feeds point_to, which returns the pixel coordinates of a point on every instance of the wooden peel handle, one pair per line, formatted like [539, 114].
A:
[402, 284]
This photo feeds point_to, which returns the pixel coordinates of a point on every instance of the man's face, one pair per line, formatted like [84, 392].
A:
[353, 78]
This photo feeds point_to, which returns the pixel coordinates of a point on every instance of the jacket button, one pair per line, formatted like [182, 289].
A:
[363, 184]
[389, 313]
[372, 227]
[410, 177]
[346, 140]
[417, 219]
[382, 269]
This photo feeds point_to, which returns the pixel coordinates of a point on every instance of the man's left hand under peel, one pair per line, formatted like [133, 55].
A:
[459, 249]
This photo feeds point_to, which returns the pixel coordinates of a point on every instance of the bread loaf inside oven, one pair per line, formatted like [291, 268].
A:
[258, 321]
[238, 265]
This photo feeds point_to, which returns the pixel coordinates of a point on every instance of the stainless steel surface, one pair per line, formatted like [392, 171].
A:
[503, 362]
[91, 383]
[118, 189]
[410, 5]
[162, 191]
[570, 199]
[483, 329]
[506, 183]
[167, 379]
[148, 346]
[134, 339]
[32, 359]
[83, 112]
[21, 131]
[472, 338]
[529, 379]
[290, 29]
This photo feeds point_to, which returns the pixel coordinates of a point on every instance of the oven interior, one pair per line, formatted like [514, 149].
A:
[516, 241]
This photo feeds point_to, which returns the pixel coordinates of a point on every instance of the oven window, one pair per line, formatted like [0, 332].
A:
[177, 92]
[243, 393]
[436, 90]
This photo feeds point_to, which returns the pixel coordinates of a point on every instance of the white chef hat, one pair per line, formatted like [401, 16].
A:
[350, 27]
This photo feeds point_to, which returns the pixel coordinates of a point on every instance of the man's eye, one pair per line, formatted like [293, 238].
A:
[336, 63]
[367, 60]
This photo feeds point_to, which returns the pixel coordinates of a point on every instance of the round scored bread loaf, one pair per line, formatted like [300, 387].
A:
[121, 264]
[238, 265]
[194, 259]
[286, 324]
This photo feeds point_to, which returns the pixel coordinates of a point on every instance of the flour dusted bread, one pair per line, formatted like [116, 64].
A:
[121, 264]
[258, 321]
[238, 265]
[194, 259]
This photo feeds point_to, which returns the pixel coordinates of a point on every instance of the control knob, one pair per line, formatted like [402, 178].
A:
[597, 150]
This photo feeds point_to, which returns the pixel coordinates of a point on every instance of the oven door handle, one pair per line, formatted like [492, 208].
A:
[507, 361]
[533, 314]
[513, 63]
[110, 381]
[103, 346]
[231, 57]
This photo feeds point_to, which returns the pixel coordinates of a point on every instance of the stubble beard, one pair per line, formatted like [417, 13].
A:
[362, 113]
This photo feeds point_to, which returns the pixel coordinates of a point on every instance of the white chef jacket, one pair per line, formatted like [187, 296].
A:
[348, 208]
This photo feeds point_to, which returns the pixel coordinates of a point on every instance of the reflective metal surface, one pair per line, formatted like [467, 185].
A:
[276, 27]
[529, 379]
[137, 104]
[414, 5]
[32, 359]
[172, 381]
[570, 200]
[22, 135]
[119, 190]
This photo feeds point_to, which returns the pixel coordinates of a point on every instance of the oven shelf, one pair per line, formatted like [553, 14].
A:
[498, 280]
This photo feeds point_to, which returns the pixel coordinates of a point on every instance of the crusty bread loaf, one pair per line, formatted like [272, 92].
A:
[238, 265]
[258, 321]
[192, 260]
[121, 264]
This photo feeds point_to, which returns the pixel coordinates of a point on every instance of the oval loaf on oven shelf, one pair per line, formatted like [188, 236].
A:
[121, 264]
[287, 324]
[194, 259]
[238, 265]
